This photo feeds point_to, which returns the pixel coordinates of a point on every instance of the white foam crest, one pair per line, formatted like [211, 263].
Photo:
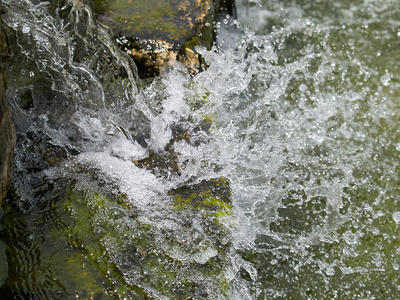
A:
[161, 133]
[174, 108]
[128, 150]
[198, 162]
[226, 74]
[140, 185]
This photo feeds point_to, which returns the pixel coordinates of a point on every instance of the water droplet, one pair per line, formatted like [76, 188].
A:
[26, 29]
[237, 23]
[385, 79]
[396, 217]
[330, 271]
[350, 238]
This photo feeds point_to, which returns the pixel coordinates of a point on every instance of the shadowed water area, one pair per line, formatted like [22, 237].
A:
[272, 174]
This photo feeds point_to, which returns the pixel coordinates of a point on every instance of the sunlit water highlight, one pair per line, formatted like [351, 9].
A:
[305, 115]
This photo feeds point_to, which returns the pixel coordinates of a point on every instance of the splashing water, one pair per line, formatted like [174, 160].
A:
[307, 122]
[301, 116]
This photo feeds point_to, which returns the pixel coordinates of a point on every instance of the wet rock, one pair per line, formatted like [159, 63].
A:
[70, 87]
[155, 32]
[109, 245]
[7, 130]
[210, 198]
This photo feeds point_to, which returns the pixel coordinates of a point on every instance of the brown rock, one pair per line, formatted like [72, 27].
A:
[154, 32]
[7, 130]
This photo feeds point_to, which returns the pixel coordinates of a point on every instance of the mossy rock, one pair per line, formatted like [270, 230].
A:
[155, 32]
[96, 246]
[209, 198]
[168, 20]
[155, 260]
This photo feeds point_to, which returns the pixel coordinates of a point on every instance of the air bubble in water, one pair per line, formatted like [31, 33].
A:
[396, 217]
[237, 23]
[385, 79]
[396, 266]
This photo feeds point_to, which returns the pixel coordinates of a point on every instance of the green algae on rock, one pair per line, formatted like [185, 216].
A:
[60, 252]
[210, 198]
[168, 20]
[154, 32]
[89, 245]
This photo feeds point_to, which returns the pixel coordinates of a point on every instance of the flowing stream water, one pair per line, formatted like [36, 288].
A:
[295, 120]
